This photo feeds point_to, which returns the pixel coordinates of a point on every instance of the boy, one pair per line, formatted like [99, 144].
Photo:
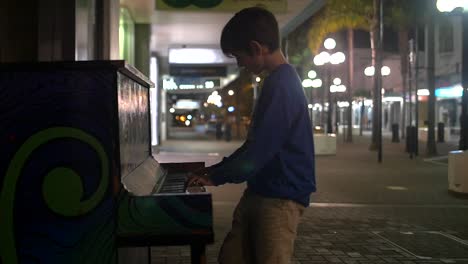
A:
[277, 159]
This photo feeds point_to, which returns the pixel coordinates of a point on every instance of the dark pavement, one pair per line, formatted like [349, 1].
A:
[399, 211]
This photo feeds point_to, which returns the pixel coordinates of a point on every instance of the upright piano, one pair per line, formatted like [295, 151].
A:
[78, 182]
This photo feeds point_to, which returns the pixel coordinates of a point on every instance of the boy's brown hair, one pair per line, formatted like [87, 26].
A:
[250, 24]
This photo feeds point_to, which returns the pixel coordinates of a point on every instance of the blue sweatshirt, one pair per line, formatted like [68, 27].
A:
[277, 159]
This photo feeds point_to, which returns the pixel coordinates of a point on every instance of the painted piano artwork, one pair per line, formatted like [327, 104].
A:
[78, 183]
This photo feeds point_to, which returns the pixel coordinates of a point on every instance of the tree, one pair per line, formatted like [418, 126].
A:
[350, 14]
[349, 113]
[402, 20]
[407, 16]
[431, 144]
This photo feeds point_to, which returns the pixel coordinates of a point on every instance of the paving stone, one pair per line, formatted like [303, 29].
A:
[352, 202]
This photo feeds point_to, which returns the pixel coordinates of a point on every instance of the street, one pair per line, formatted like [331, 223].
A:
[399, 211]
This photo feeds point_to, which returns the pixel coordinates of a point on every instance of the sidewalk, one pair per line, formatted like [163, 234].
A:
[363, 212]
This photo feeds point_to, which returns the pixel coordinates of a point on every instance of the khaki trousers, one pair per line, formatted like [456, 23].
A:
[263, 231]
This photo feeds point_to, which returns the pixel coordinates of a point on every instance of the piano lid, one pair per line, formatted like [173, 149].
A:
[144, 179]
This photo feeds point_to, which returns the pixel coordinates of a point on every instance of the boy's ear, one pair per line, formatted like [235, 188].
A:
[258, 49]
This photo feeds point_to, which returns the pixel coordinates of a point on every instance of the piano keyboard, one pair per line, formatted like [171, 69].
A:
[174, 183]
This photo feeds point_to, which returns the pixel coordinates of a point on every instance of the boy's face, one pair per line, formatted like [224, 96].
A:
[252, 62]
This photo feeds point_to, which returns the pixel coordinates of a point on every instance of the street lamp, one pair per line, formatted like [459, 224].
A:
[370, 71]
[312, 74]
[451, 5]
[337, 87]
[324, 59]
[329, 43]
[315, 83]
[308, 83]
[461, 6]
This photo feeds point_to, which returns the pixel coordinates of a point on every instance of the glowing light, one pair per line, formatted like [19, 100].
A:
[231, 92]
[189, 117]
[392, 99]
[187, 86]
[329, 43]
[310, 106]
[196, 56]
[318, 60]
[369, 71]
[316, 83]
[231, 109]
[187, 104]
[215, 99]
[258, 79]
[169, 84]
[187, 123]
[337, 88]
[385, 71]
[172, 110]
[317, 107]
[343, 104]
[183, 118]
[450, 92]
[322, 58]
[337, 81]
[312, 74]
[209, 84]
[450, 5]
[307, 83]
[337, 58]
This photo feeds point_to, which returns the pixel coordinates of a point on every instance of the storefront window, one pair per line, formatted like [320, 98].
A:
[85, 30]
[445, 37]
[127, 37]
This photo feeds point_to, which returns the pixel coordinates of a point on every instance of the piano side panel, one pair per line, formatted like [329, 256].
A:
[175, 167]
[165, 219]
[134, 127]
[57, 200]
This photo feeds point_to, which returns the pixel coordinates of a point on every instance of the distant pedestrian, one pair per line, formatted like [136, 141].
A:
[228, 132]
[276, 160]
[228, 128]
[219, 129]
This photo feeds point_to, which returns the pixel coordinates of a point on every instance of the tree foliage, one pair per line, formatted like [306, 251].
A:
[336, 16]
[298, 51]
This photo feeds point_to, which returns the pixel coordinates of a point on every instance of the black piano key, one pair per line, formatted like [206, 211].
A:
[176, 190]
[174, 183]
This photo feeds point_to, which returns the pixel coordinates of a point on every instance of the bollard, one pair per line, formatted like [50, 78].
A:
[395, 133]
[411, 139]
[440, 132]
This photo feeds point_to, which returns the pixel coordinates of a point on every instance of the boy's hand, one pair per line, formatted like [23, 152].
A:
[199, 178]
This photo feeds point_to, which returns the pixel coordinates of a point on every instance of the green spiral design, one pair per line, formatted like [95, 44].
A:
[177, 3]
[207, 3]
[65, 200]
[197, 3]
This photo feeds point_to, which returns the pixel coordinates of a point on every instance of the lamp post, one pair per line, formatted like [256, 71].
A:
[311, 82]
[337, 87]
[461, 7]
[384, 71]
[325, 59]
